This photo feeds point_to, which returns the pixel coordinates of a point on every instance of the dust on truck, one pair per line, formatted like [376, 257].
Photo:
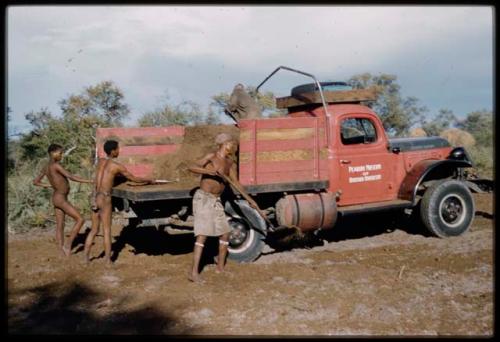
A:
[330, 156]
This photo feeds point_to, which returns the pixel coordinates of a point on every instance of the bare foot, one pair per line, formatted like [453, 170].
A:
[219, 270]
[66, 251]
[195, 278]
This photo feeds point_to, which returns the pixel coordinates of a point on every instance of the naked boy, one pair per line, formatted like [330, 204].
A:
[58, 179]
[106, 171]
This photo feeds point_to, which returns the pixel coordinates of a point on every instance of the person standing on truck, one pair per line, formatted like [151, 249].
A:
[241, 105]
[58, 179]
[106, 171]
[208, 210]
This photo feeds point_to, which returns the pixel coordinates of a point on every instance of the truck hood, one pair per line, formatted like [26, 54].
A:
[420, 143]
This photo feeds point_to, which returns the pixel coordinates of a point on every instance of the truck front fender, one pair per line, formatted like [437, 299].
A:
[427, 170]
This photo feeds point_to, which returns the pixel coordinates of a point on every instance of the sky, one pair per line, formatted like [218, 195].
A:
[443, 55]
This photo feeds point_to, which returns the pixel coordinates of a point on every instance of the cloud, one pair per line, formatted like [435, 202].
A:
[201, 50]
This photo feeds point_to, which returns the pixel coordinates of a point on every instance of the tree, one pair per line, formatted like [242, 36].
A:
[34, 144]
[398, 114]
[480, 125]
[102, 102]
[184, 114]
[97, 106]
[444, 120]
[212, 118]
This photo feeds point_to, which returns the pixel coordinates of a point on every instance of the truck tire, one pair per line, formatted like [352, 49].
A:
[447, 208]
[245, 243]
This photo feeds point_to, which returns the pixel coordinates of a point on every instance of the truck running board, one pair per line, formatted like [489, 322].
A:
[378, 206]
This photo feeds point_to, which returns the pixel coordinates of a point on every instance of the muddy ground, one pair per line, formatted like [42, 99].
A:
[372, 275]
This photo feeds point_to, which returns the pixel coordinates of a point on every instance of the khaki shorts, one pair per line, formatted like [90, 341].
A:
[209, 216]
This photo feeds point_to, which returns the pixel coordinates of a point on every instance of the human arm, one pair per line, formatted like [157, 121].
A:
[38, 180]
[69, 175]
[233, 180]
[127, 174]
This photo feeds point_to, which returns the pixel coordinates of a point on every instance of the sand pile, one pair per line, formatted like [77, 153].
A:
[457, 137]
[198, 141]
[417, 132]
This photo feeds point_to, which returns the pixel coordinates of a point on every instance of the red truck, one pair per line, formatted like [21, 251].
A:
[329, 157]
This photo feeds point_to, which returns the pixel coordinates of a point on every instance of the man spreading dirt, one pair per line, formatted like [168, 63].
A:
[241, 105]
[209, 216]
[106, 171]
[58, 178]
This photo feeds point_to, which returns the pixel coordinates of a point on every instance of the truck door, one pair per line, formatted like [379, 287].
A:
[363, 160]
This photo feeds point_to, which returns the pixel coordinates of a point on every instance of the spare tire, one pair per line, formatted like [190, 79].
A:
[327, 86]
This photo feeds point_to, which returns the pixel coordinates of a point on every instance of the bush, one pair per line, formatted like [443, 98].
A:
[482, 156]
[30, 206]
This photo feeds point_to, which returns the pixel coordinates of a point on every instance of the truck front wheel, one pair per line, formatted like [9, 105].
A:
[447, 208]
[245, 243]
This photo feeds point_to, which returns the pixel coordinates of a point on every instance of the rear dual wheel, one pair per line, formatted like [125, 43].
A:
[245, 243]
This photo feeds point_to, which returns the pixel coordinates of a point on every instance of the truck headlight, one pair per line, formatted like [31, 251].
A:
[459, 153]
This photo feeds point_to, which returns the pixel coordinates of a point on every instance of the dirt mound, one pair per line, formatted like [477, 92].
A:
[457, 137]
[198, 141]
[417, 132]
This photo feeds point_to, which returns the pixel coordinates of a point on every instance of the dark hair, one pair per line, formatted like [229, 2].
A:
[110, 145]
[54, 147]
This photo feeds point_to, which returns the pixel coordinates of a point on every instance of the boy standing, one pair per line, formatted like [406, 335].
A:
[58, 178]
[106, 171]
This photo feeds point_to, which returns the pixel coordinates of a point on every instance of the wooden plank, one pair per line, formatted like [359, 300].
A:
[302, 154]
[278, 134]
[145, 141]
[143, 150]
[280, 155]
[284, 166]
[140, 131]
[278, 123]
[151, 195]
[346, 96]
[148, 150]
[282, 145]
[281, 177]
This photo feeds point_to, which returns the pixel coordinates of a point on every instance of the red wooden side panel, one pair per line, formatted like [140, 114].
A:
[282, 150]
[141, 146]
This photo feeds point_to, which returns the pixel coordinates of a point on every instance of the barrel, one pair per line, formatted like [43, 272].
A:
[308, 211]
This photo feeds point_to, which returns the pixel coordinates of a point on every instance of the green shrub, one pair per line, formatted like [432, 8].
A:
[482, 156]
[29, 206]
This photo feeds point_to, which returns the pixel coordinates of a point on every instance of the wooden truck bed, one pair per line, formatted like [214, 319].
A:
[275, 155]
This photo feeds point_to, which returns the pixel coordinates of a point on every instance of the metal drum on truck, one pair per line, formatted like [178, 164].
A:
[308, 211]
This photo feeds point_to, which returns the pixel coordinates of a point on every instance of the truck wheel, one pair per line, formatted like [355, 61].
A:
[447, 208]
[245, 244]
